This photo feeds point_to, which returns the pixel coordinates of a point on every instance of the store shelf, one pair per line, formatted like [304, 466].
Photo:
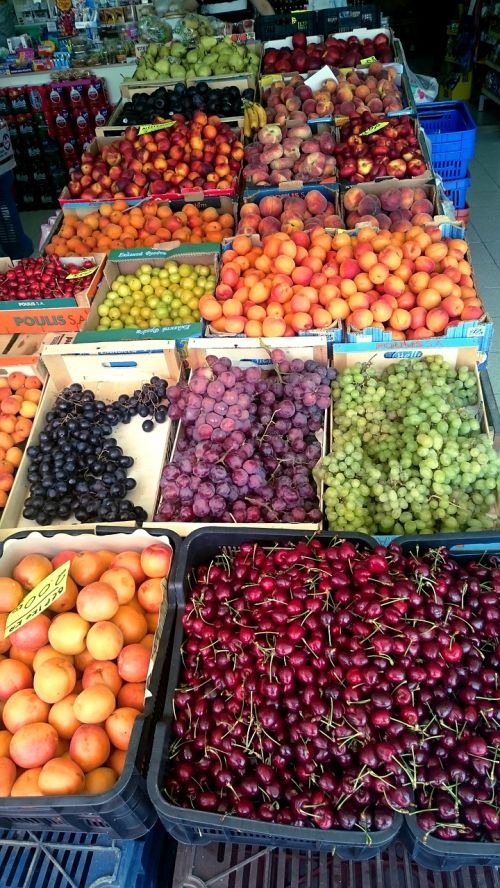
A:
[492, 65]
[489, 95]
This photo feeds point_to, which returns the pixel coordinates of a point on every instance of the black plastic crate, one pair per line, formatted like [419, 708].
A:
[286, 24]
[335, 21]
[234, 866]
[124, 811]
[426, 850]
[201, 828]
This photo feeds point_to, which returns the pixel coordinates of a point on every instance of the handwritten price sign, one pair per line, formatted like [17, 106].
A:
[39, 599]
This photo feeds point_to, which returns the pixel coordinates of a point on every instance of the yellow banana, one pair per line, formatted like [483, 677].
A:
[261, 114]
[247, 129]
[254, 120]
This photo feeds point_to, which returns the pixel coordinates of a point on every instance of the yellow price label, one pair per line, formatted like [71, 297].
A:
[271, 78]
[81, 274]
[154, 127]
[39, 599]
[368, 60]
[341, 120]
[375, 128]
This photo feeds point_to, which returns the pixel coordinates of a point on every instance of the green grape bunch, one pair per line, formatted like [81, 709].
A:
[408, 454]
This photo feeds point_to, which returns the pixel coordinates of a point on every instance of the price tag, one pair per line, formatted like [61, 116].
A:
[271, 78]
[368, 60]
[81, 274]
[375, 128]
[153, 127]
[39, 599]
[341, 120]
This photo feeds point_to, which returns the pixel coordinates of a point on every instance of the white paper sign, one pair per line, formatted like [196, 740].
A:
[316, 80]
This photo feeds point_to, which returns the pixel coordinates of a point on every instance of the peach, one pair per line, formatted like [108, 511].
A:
[122, 582]
[391, 257]
[54, 680]
[424, 263]
[14, 676]
[119, 726]
[8, 774]
[11, 594]
[61, 776]
[407, 300]
[133, 625]
[394, 286]
[23, 708]
[419, 281]
[97, 601]
[133, 663]
[102, 672]
[5, 738]
[86, 567]
[367, 259]
[472, 313]
[437, 320]
[62, 557]
[31, 570]
[67, 600]
[131, 561]
[378, 273]
[99, 780]
[33, 635]
[94, 705]
[400, 319]
[27, 784]
[361, 318]
[443, 284]
[349, 268]
[381, 310]
[16, 653]
[418, 316]
[132, 694]
[104, 640]
[437, 252]
[33, 745]
[156, 560]
[63, 718]
[89, 747]
[68, 632]
[429, 298]
[338, 308]
[453, 305]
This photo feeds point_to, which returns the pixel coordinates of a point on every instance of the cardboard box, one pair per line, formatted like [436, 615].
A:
[49, 315]
[467, 333]
[248, 353]
[108, 371]
[127, 262]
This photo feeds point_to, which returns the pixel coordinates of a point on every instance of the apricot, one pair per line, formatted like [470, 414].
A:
[5, 643]
[133, 663]
[11, 594]
[61, 776]
[33, 745]
[131, 561]
[152, 621]
[132, 694]
[23, 708]
[117, 761]
[67, 600]
[83, 660]
[104, 640]
[133, 624]
[27, 784]
[102, 672]
[99, 780]
[86, 567]
[8, 774]
[119, 726]
[89, 747]
[94, 705]
[54, 680]
[97, 601]
[68, 632]
[106, 556]
[33, 635]
[62, 557]
[26, 657]
[5, 738]
[31, 570]
[14, 676]
[63, 718]
[122, 582]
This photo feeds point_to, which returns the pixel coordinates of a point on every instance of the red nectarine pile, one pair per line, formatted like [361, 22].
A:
[415, 284]
[19, 398]
[72, 680]
[292, 213]
[370, 89]
[397, 209]
[334, 51]
[393, 150]
[203, 154]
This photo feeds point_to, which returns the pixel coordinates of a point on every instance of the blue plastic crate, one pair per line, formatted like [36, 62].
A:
[78, 860]
[452, 134]
[13, 241]
[456, 191]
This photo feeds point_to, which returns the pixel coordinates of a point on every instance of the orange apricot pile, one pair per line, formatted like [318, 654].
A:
[118, 225]
[73, 678]
[414, 284]
[19, 398]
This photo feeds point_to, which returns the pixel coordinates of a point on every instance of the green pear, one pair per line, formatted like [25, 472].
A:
[162, 66]
[208, 42]
[177, 72]
[203, 71]
[140, 73]
[178, 50]
[192, 56]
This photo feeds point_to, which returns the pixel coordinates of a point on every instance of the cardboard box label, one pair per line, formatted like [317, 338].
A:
[375, 128]
[39, 599]
[81, 274]
[368, 61]
[153, 127]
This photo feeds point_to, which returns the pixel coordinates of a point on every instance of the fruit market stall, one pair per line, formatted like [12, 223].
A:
[250, 475]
